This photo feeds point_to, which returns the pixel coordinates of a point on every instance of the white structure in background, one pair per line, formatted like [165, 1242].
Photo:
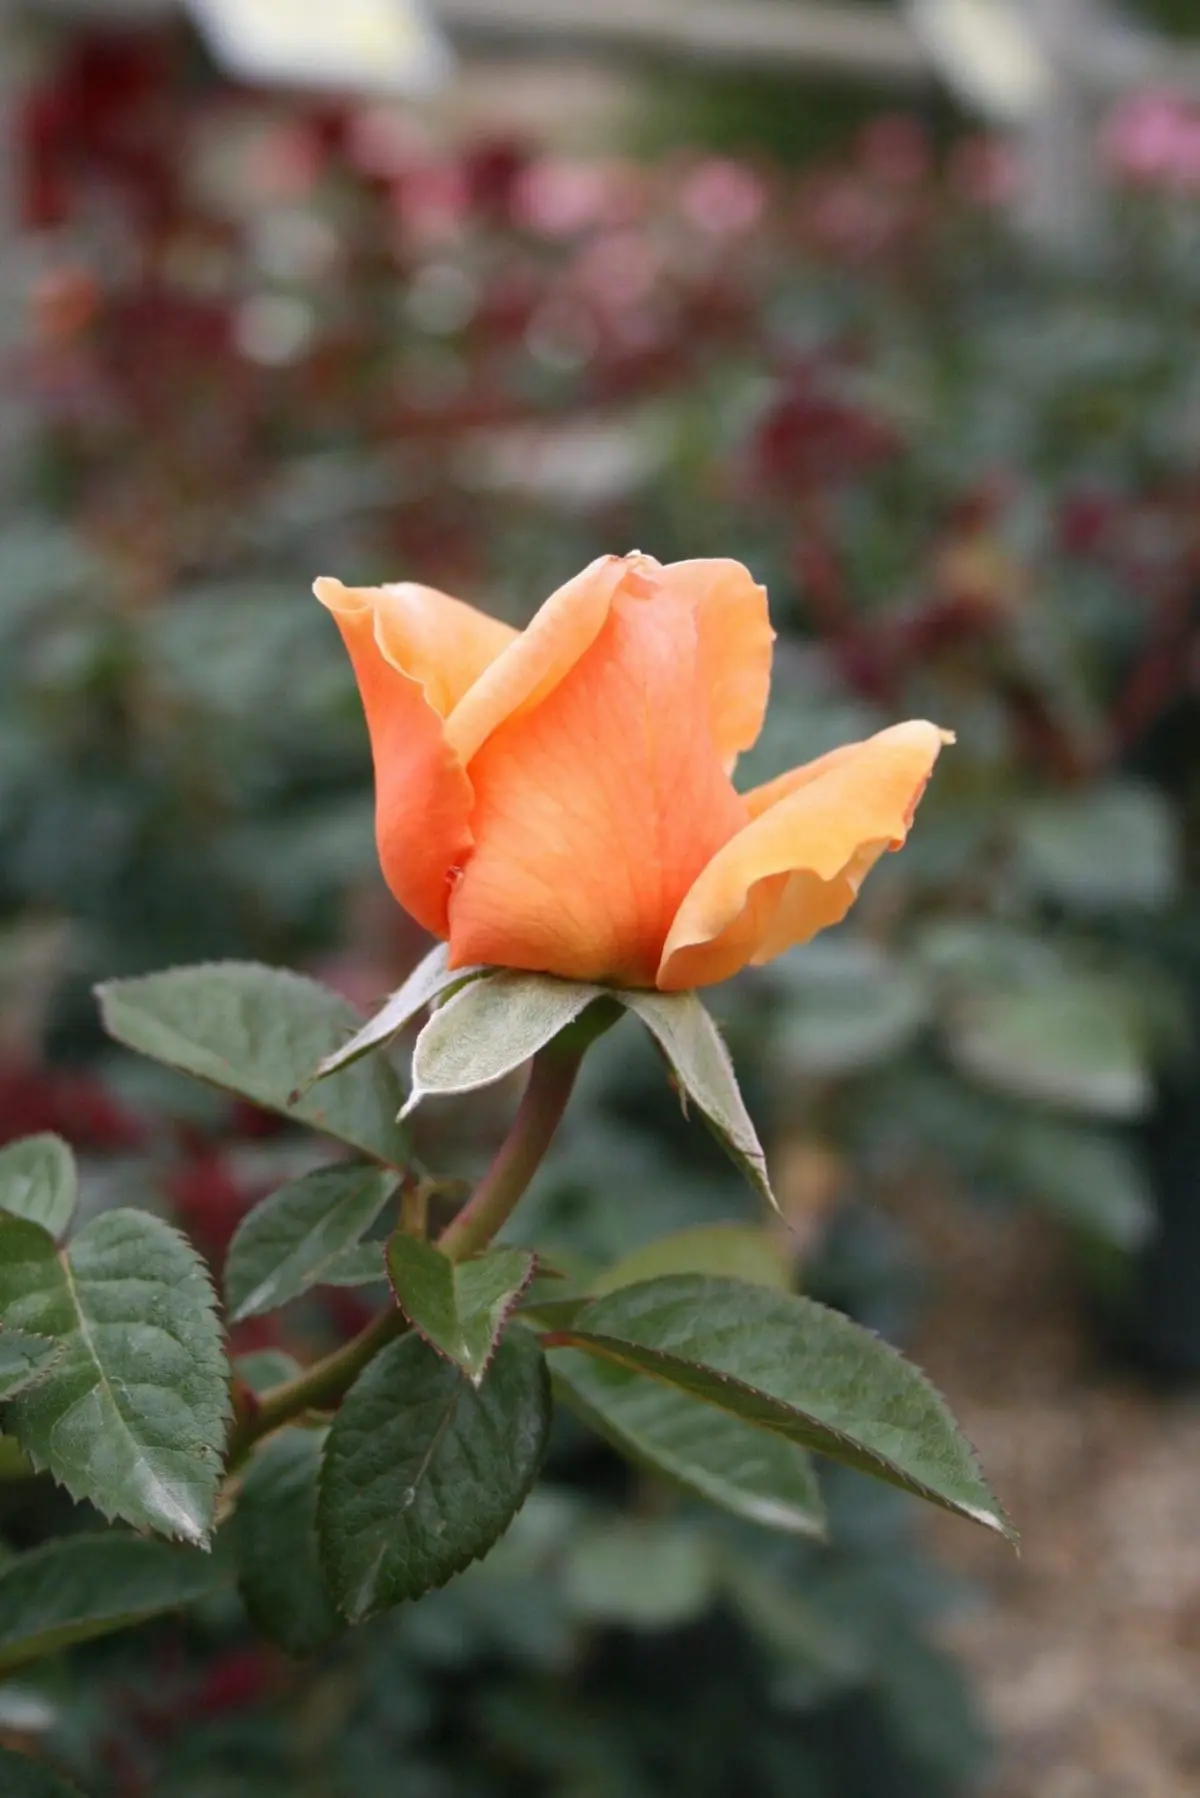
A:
[988, 53]
[1048, 68]
[871, 43]
[360, 46]
[1041, 67]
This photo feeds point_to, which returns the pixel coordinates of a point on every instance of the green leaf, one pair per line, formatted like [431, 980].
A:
[459, 1308]
[552, 1314]
[641, 1573]
[427, 982]
[1113, 847]
[82, 1586]
[290, 1241]
[38, 1181]
[1074, 1043]
[132, 1414]
[490, 1027]
[737, 1251]
[260, 1032]
[760, 1476]
[424, 1471]
[23, 1359]
[787, 1364]
[700, 1063]
[360, 1264]
[275, 1537]
[22, 1778]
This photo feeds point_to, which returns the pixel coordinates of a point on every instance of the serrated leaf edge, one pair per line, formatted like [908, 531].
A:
[608, 1347]
[461, 1563]
[201, 1538]
[475, 1378]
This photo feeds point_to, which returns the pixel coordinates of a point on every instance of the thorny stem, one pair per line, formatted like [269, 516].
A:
[320, 1387]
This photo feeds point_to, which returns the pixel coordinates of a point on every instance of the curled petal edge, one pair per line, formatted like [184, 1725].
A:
[796, 868]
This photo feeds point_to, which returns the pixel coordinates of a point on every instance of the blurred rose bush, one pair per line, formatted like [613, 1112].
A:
[268, 342]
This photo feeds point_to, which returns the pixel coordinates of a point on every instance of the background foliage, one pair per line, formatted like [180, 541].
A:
[271, 343]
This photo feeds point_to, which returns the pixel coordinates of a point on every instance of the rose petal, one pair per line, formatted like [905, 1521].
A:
[761, 799]
[596, 810]
[440, 641]
[534, 663]
[797, 867]
[735, 643]
[422, 794]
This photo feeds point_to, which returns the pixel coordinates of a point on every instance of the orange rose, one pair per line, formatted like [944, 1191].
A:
[559, 799]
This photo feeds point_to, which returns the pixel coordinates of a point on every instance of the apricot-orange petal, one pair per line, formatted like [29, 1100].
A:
[422, 794]
[534, 663]
[596, 810]
[797, 866]
[736, 644]
[440, 641]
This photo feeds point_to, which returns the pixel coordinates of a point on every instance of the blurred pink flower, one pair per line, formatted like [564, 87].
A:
[383, 141]
[433, 200]
[561, 196]
[1153, 138]
[847, 217]
[722, 196]
[284, 163]
[618, 270]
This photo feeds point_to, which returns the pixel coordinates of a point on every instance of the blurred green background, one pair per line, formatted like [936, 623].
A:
[580, 299]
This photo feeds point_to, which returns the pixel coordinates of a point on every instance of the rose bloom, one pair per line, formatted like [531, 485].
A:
[560, 799]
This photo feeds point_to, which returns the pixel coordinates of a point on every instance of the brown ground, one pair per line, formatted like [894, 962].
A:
[1086, 1648]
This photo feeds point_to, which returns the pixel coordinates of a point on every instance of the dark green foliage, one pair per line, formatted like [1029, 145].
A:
[275, 1535]
[789, 1365]
[424, 1469]
[300, 1237]
[38, 1182]
[23, 1359]
[947, 463]
[131, 1412]
[459, 1308]
[762, 1477]
[24, 1778]
[82, 1586]
[260, 1033]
